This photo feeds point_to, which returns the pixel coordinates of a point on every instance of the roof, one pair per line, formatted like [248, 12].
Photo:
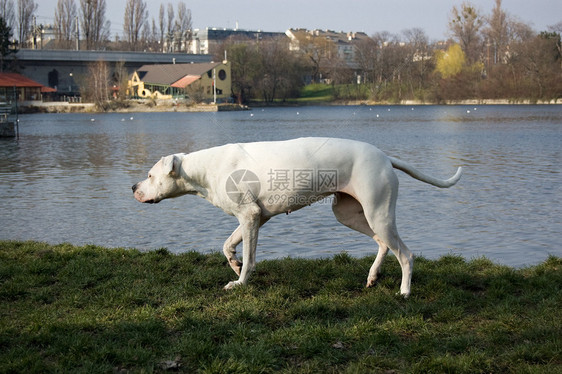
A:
[337, 37]
[50, 56]
[166, 74]
[17, 80]
[186, 81]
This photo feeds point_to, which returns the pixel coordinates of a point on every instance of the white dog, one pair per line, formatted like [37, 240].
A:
[256, 181]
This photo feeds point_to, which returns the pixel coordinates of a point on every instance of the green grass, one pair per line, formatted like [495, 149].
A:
[316, 93]
[90, 309]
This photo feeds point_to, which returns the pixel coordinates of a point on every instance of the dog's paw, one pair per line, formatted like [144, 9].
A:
[231, 285]
[403, 294]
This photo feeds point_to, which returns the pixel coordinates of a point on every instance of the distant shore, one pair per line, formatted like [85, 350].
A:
[136, 106]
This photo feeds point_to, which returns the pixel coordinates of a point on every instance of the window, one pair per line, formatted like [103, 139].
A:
[222, 74]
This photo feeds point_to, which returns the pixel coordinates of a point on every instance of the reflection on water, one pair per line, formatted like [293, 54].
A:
[68, 179]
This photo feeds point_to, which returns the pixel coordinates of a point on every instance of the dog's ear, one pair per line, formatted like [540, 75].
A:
[171, 165]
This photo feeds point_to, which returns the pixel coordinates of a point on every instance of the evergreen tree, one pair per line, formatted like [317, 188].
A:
[8, 47]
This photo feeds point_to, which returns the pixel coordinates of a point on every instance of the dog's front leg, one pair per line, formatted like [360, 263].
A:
[250, 222]
[229, 250]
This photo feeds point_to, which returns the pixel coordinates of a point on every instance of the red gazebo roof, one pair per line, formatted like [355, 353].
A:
[17, 80]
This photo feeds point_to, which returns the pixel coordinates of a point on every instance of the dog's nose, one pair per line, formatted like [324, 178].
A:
[135, 187]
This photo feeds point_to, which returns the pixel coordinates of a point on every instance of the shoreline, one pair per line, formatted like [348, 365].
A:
[138, 106]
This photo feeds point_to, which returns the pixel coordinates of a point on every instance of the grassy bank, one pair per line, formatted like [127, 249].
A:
[91, 309]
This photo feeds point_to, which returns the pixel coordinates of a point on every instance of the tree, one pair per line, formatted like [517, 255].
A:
[65, 23]
[419, 59]
[183, 27]
[245, 68]
[98, 83]
[7, 12]
[134, 21]
[497, 34]
[120, 79]
[317, 49]
[280, 71]
[162, 26]
[95, 28]
[557, 29]
[465, 25]
[366, 54]
[26, 11]
[170, 28]
[536, 62]
[450, 63]
[7, 47]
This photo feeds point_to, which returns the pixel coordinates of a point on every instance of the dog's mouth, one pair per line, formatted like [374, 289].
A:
[151, 201]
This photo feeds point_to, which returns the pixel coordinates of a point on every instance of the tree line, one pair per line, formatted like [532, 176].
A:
[495, 56]
[85, 21]
[487, 56]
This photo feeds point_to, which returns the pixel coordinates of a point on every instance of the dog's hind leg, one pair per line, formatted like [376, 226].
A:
[349, 212]
[375, 270]
[379, 202]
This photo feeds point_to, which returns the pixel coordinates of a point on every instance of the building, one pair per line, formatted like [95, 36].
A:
[343, 42]
[16, 85]
[208, 81]
[41, 36]
[208, 40]
[67, 70]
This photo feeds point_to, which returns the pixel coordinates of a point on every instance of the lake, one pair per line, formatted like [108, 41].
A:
[69, 176]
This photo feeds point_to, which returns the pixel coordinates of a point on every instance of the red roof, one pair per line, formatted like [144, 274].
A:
[17, 80]
[185, 81]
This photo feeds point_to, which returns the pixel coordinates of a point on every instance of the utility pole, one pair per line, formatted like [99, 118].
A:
[214, 86]
[77, 33]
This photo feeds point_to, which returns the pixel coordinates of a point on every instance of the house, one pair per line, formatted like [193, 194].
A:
[66, 70]
[344, 43]
[27, 90]
[165, 81]
[212, 39]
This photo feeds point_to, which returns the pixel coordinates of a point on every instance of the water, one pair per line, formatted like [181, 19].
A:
[69, 178]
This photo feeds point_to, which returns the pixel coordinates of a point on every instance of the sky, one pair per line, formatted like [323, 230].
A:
[369, 16]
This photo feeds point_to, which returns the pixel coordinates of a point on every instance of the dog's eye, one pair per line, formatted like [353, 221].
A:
[149, 175]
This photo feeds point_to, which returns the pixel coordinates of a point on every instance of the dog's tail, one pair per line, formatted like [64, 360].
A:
[414, 173]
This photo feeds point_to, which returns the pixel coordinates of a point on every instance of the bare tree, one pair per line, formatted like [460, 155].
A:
[418, 58]
[557, 28]
[134, 21]
[317, 49]
[98, 83]
[366, 54]
[26, 11]
[279, 70]
[183, 27]
[170, 27]
[162, 25]
[497, 34]
[120, 79]
[65, 23]
[95, 28]
[465, 24]
[7, 12]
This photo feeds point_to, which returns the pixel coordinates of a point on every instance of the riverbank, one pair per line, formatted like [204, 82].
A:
[92, 309]
[130, 106]
[140, 106]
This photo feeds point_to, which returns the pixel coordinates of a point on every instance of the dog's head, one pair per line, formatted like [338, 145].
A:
[164, 181]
